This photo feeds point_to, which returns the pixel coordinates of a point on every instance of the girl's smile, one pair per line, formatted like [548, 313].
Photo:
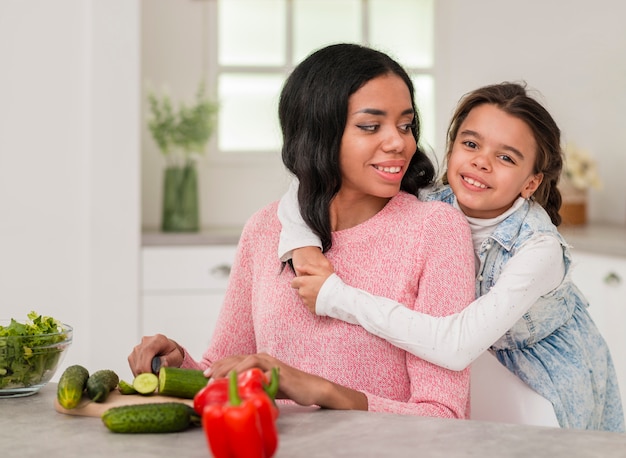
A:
[492, 162]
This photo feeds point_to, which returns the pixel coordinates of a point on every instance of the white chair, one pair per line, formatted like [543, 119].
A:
[497, 395]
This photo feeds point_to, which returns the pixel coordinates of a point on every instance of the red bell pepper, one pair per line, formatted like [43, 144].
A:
[233, 430]
[215, 392]
[267, 412]
[244, 425]
[255, 381]
[249, 382]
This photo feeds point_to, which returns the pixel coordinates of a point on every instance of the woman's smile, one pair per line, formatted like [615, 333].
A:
[391, 171]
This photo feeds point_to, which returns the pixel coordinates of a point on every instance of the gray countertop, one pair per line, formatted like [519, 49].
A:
[30, 427]
[594, 238]
[597, 238]
[208, 236]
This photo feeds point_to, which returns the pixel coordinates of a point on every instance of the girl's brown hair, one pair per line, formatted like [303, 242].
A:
[513, 99]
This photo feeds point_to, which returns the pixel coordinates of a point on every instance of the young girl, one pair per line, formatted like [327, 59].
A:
[504, 161]
[350, 131]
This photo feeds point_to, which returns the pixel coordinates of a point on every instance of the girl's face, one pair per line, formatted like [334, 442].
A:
[492, 162]
[377, 143]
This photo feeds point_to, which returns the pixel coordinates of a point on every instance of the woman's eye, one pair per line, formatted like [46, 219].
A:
[407, 127]
[368, 127]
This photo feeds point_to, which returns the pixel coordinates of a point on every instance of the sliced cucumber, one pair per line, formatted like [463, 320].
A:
[126, 388]
[181, 383]
[146, 383]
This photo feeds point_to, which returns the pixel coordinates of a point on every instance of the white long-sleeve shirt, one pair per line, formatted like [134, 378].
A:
[453, 341]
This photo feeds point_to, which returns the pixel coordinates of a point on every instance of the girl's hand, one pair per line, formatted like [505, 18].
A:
[301, 387]
[312, 269]
[309, 256]
[140, 360]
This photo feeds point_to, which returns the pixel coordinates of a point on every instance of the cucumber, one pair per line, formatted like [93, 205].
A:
[146, 383]
[126, 388]
[181, 383]
[164, 417]
[71, 386]
[100, 384]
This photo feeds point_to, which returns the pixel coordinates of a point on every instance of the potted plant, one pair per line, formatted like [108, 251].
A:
[181, 136]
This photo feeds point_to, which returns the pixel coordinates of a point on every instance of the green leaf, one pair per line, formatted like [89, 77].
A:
[188, 129]
[27, 350]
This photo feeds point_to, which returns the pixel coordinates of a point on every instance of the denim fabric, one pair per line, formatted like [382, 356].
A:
[555, 348]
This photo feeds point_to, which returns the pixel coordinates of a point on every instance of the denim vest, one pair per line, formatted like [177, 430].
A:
[555, 347]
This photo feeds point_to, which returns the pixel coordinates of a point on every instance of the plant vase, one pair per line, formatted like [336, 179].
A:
[180, 198]
[574, 204]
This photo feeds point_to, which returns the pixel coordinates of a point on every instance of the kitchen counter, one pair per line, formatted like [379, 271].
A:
[30, 427]
[209, 236]
[594, 238]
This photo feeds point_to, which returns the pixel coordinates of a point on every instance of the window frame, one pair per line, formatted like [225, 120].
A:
[214, 70]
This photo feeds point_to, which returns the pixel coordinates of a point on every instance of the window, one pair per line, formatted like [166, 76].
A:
[259, 42]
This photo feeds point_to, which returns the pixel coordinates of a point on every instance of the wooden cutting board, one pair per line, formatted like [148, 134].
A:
[88, 408]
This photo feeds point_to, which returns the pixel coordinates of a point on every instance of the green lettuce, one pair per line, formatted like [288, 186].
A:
[30, 350]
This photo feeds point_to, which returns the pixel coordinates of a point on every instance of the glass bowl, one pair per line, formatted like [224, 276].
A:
[28, 362]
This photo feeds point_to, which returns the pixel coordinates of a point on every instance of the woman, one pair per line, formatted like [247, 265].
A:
[350, 131]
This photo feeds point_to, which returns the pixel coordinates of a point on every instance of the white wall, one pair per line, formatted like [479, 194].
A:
[573, 52]
[69, 170]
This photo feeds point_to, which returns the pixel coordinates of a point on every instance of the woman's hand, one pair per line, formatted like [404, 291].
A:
[312, 269]
[140, 360]
[301, 387]
[294, 384]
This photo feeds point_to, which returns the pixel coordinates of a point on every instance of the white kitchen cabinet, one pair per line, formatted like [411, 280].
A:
[182, 292]
[602, 279]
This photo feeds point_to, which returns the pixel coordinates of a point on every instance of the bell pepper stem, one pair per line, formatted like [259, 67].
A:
[272, 388]
[233, 390]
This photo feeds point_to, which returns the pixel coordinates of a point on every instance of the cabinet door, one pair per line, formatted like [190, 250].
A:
[183, 290]
[187, 319]
[186, 268]
[602, 279]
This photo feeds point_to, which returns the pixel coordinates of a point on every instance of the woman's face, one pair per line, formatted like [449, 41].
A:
[377, 144]
[492, 162]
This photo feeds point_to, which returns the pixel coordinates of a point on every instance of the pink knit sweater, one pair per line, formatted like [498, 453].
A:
[419, 254]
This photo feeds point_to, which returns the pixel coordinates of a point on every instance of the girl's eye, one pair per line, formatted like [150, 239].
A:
[506, 158]
[470, 144]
